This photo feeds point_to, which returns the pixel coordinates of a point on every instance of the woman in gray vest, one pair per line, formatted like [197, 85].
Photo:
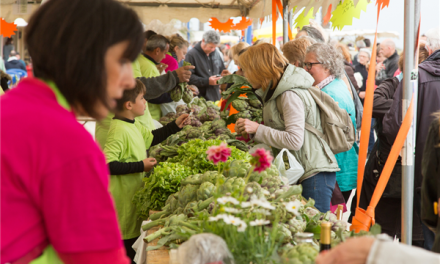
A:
[287, 106]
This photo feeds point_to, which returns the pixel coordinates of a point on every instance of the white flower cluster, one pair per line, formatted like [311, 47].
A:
[230, 220]
[260, 202]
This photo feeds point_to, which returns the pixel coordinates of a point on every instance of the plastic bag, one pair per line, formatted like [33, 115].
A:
[204, 248]
[296, 170]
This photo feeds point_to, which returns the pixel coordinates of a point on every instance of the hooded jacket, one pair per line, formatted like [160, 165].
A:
[428, 103]
[315, 155]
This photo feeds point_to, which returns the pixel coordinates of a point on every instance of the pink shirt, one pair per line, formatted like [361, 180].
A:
[54, 178]
[171, 62]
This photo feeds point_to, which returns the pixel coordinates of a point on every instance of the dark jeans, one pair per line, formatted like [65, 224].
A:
[320, 188]
[428, 235]
[128, 243]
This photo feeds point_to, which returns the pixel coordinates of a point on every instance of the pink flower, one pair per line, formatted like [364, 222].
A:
[219, 153]
[261, 159]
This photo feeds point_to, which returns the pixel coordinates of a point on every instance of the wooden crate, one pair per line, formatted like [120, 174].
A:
[159, 256]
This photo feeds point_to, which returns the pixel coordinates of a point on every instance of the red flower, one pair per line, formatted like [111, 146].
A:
[261, 159]
[219, 153]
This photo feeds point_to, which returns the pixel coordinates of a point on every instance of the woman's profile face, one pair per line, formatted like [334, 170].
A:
[181, 53]
[119, 76]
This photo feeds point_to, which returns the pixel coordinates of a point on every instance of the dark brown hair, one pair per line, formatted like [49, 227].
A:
[68, 40]
[149, 33]
[130, 95]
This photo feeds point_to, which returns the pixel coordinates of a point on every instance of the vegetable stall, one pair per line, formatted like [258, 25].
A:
[207, 181]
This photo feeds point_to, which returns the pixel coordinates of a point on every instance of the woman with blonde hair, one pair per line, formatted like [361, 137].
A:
[287, 106]
[234, 53]
[295, 50]
[177, 52]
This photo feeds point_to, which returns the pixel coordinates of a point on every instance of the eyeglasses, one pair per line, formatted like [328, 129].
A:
[309, 65]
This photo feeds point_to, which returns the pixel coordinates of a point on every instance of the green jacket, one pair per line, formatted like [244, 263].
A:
[315, 155]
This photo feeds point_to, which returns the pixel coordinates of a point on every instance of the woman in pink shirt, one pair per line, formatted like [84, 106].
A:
[177, 52]
[55, 203]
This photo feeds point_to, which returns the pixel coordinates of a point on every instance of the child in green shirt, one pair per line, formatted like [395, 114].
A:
[125, 151]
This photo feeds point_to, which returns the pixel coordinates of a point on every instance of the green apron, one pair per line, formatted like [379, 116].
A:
[49, 256]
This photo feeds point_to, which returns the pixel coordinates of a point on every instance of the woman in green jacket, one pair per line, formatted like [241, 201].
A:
[287, 105]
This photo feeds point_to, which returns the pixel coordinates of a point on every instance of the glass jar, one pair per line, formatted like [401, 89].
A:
[301, 238]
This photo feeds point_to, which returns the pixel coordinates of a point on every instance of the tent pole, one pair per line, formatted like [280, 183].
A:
[285, 21]
[408, 147]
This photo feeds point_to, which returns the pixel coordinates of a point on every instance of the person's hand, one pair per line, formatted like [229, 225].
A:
[362, 95]
[213, 80]
[184, 73]
[194, 90]
[380, 67]
[182, 120]
[353, 251]
[225, 73]
[247, 126]
[149, 163]
[161, 66]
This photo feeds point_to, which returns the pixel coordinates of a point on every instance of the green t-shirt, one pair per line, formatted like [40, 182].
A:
[127, 142]
[102, 127]
[148, 68]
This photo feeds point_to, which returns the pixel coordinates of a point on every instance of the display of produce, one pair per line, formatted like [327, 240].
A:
[187, 159]
[257, 213]
[249, 107]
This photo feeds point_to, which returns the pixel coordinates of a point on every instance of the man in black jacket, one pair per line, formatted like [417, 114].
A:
[209, 66]
[390, 65]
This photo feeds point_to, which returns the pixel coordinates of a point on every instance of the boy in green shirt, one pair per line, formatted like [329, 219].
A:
[125, 151]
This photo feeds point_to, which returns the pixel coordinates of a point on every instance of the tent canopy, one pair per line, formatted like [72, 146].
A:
[184, 10]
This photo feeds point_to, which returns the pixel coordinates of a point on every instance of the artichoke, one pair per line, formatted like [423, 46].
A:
[283, 233]
[195, 122]
[222, 131]
[187, 96]
[253, 188]
[176, 94]
[224, 114]
[297, 225]
[182, 109]
[164, 120]
[218, 124]
[231, 185]
[195, 179]
[255, 103]
[301, 254]
[212, 177]
[187, 194]
[212, 114]
[196, 109]
[211, 104]
[171, 115]
[240, 104]
[205, 191]
[245, 114]
[236, 168]
[193, 133]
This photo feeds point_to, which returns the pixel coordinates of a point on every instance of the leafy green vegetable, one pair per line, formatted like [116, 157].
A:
[164, 181]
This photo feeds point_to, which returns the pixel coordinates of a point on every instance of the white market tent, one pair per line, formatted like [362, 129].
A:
[184, 10]
[347, 33]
